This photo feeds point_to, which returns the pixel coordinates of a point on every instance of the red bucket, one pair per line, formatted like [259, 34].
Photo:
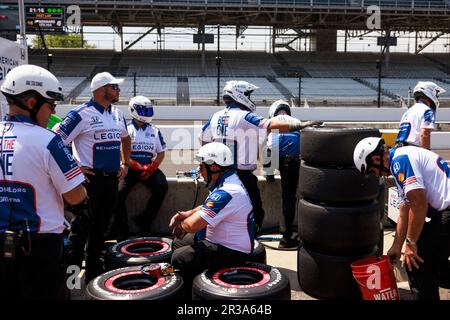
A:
[375, 278]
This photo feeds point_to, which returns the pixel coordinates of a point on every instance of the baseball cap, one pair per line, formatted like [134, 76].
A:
[102, 79]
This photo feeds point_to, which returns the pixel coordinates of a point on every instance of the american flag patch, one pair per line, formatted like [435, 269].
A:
[410, 180]
[61, 133]
[69, 175]
[210, 213]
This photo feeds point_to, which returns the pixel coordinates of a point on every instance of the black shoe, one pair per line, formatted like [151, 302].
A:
[288, 243]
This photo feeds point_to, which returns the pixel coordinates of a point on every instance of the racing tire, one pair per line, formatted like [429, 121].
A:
[332, 145]
[131, 284]
[259, 254]
[334, 229]
[326, 276]
[138, 251]
[251, 281]
[337, 185]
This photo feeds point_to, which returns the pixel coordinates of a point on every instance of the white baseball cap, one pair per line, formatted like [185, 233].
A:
[102, 79]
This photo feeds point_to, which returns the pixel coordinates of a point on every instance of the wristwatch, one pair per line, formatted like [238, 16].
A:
[125, 164]
[410, 242]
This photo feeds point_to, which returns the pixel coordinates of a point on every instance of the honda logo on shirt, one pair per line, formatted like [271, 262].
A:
[95, 120]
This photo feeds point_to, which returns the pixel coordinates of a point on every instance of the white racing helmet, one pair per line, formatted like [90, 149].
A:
[240, 92]
[215, 153]
[141, 109]
[364, 151]
[27, 78]
[429, 89]
[277, 106]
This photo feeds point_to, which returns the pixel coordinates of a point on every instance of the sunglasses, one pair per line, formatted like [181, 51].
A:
[52, 104]
[115, 86]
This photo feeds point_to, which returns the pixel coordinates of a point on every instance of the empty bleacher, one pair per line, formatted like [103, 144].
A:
[404, 87]
[205, 88]
[329, 89]
[355, 65]
[328, 77]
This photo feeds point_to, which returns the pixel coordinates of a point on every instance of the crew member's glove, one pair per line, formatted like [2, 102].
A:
[134, 165]
[295, 126]
[149, 170]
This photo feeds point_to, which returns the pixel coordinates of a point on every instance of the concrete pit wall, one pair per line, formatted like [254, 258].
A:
[181, 195]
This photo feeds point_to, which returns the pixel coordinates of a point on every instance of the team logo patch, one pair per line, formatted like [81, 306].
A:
[210, 204]
[215, 197]
[95, 119]
[396, 167]
[401, 177]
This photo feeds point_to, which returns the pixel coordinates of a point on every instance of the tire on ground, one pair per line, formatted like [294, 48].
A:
[332, 145]
[328, 277]
[337, 185]
[251, 281]
[259, 253]
[334, 229]
[138, 251]
[131, 284]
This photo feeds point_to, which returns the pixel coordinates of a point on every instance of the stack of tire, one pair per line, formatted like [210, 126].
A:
[338, 215]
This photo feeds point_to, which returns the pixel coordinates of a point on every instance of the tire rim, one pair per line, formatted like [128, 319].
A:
[133, 282]
[144, 248]
[241, 277]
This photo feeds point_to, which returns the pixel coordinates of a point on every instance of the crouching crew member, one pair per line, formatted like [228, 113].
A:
[244, 132]
[37, 174]
[220, 232]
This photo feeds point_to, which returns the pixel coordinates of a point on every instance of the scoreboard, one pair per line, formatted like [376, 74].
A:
[50, 19]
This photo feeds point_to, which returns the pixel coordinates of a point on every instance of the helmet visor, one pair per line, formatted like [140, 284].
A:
[143, 111]
[55, 95]
[201, 159]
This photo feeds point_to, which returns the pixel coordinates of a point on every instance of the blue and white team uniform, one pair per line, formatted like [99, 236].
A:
[287, 144]
[418, 117]
[36, 170]
[96, 134]
[241, 130]
[418, 168]
[146, 142]
[229, 214]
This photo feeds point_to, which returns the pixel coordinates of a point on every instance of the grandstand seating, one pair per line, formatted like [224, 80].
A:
[401, 87]
[69, 83]
[171, 63]
[206, 88]
[329, 88]
[153, 87]
[333, 76]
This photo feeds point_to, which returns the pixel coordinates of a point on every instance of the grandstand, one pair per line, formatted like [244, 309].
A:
[328, 78]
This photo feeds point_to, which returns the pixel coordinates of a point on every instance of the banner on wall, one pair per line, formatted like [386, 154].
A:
[12, 54]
